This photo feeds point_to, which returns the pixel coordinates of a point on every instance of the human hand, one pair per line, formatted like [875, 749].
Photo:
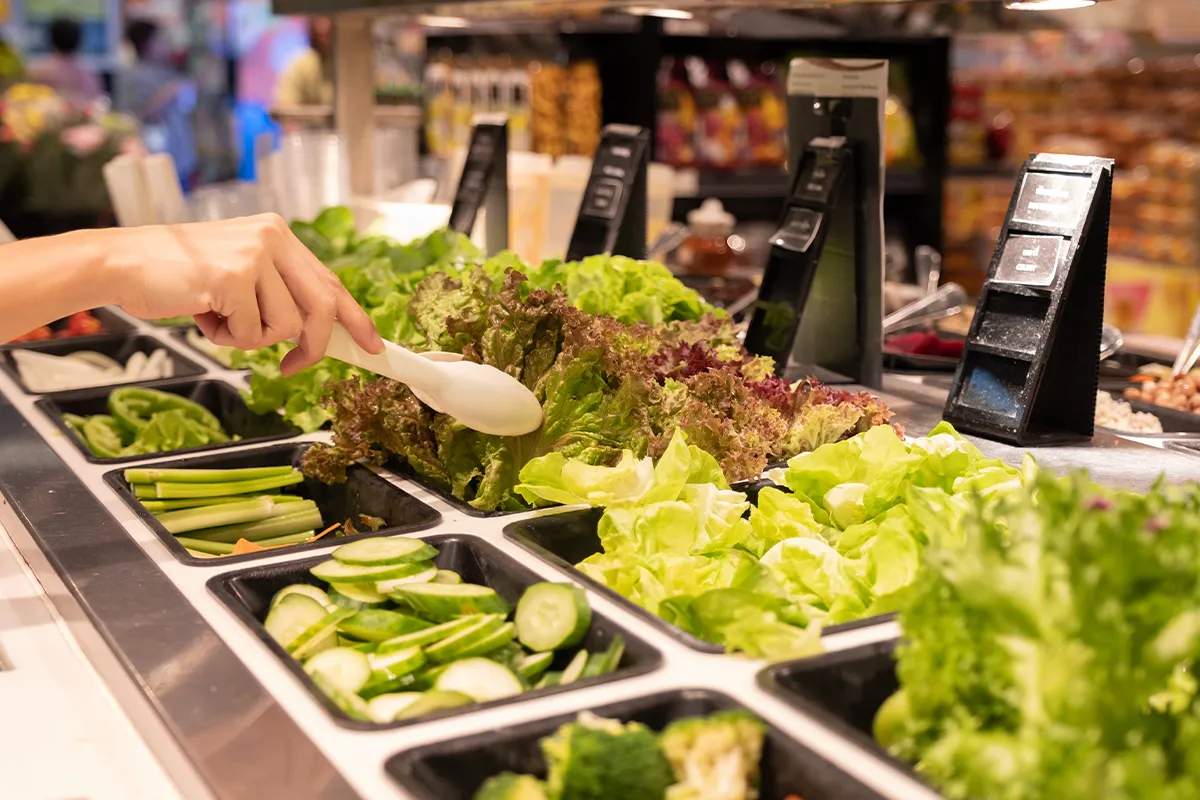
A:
[248, 283]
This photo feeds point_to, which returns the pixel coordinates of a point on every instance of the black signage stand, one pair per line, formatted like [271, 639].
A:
[612, 216]
[1030, 367]
[819, 229]
[484, 183]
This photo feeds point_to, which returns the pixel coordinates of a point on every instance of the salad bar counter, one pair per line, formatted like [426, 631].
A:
[356, 613]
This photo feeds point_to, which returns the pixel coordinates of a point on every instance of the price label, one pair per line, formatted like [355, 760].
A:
[1054, 201]
[1030, 260]
[799, 229]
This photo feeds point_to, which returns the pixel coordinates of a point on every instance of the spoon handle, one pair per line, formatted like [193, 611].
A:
[394, 362]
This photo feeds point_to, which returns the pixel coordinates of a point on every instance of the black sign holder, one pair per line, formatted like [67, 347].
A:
[612, 216]
[1030, 367]
[822, 208]
[484, 183]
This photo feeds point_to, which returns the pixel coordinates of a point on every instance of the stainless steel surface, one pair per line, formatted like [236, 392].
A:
[948, 301]
[1190, 352]
[672, 236]
[1111, 340]
[239, 739]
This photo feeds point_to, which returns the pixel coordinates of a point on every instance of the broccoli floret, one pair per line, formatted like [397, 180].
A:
[715, 757]
[509, 786]
[602, 759]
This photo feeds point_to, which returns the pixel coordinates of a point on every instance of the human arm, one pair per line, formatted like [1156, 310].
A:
[248, 282]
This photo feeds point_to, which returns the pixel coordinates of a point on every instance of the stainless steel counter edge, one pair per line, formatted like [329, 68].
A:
[238, 740]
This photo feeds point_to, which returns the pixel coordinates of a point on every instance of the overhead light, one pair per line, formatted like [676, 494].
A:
[662, 13]
[430, 21]
[1047, 5]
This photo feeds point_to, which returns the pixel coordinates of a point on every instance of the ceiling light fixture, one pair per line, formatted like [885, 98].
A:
[1047, 5]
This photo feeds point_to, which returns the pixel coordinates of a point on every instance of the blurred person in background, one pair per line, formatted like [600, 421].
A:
[62, 70]
[308, 79]
[162, 100]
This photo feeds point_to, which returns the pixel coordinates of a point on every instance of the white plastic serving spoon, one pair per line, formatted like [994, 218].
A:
[479, 396]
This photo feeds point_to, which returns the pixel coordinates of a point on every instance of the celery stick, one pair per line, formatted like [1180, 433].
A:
[150, 475]
[161, 506]
[194, 519]
[144, 492]
[295, 538]
[208, 548]
[168, 491]
[285, 523]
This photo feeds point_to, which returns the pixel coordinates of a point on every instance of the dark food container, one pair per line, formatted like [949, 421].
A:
[247, 593]
[844, 690]
[401, 468]
[364, 492]
[217, 396]
[119, 348]
[1173, 420]
[180, 336]
[454, 770]
[110, 323]
[566, 539]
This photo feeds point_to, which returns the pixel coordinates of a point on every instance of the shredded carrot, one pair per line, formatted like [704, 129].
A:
[244, 546]
[1142, 379]
[330, 529]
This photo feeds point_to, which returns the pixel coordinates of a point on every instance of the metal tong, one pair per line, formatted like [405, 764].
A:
[1191, 348]
[945, 302]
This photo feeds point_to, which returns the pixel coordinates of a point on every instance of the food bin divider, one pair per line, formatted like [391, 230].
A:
[217, 396]
[364, 492]
[454, 770]
[119, 347]
[247, 594]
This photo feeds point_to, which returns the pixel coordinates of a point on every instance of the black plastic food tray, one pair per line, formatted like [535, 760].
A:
[1173, 420]
[401, 467]
[567, 538]
[119, 347]
[454, 770]
[247, 593]
[364, 492]
[179, 334]
[844, 690]
[110, 323]
[217, 396]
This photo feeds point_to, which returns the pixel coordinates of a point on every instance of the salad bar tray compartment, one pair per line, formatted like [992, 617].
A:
[110, 322]
[1173, 420]
[454, 770]
[248, 593]
[119, 347]
[566, 539]
[845, 690]
[364, 492]
[217, 396]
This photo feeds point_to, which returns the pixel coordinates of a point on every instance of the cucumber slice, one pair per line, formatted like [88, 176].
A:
[377, 624]
[594, 666]
[292, 616]
[386, 707]
[333, 571]
[395, 665]
[533, 665]
[574, 670]
[447, 576]
[352, 704]
[552, 616]
[480, 679]
[427, 636]
[435, 701]
[613, 655]
[380, 552]
[306, 589]
[405, 683]
[424, 679]
[456, 646]
[348, 670]
[441, 602]
[362, 647]
[322, 635]
[548, 680]
[424, 576]
[355, 595]
[497, 639]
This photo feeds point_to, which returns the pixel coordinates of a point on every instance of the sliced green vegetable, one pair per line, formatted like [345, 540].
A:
[396, 664]
[441, 602]
[434, 701]
[152, 475]
[355, 595]
[336, 572]
[428, 635]
[384, 551]
[574, 670]
[387, 707]
[459, 644]
[553, 616]
[377, 624]
[351, 704]
[174, 491]
[347, 669]
[194, 519]
[532, 666]
[290, 518]
[306, 589]
[480, 679]
[447, 576]
[322, 635]
[293, 615]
